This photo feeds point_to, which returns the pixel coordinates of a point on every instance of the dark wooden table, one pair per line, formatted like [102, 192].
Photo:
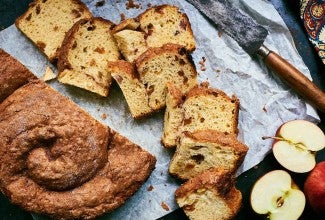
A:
[288, 9]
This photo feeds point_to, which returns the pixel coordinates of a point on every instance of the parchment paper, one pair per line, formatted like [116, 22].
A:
[265, 102]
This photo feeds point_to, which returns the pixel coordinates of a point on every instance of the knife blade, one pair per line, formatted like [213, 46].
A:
[250, 36]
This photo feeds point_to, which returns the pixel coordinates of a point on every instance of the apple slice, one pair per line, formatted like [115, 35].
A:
[276, 196]
[296, 144]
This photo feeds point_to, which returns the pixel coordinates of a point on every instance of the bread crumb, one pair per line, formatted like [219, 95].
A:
[130, 4]
[103, 116]
[100, 3]
[202, 64]
[264, 108]
[165, 206]
[122, 16]
[150, 188]
[49, 74]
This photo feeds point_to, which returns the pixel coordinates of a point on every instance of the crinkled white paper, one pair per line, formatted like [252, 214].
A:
[265, 103]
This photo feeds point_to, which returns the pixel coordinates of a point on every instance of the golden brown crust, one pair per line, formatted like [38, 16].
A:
[219, 180]
[157, 51]
[67, 132]
[55, 159]
[130, 24]
[12, 75]
[223, 139]
[123, 66]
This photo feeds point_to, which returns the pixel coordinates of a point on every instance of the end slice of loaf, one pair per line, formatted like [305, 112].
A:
[133, 90]
[84, 55]
[131, 43]
[173, 116]
[205, 149]
[46, 23]
[210, 195]
[159, 65]
[208, 108]
[166, 24]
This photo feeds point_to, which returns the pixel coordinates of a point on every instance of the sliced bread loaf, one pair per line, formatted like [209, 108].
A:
[205, 149]
[47, 21]
[131, 43]
[169, 63]
[166, 24]
[133, 90]
[210, 196]
[84, 55]
[208, 108]
[173, 116]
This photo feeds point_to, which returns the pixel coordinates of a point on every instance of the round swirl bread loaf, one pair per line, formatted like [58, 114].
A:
[57, 160]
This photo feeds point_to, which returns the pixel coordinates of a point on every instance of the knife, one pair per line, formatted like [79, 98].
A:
[250, 36]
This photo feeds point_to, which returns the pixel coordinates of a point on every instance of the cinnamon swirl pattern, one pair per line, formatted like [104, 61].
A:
[57, 160]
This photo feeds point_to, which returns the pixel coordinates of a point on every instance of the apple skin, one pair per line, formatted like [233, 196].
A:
[314, 188]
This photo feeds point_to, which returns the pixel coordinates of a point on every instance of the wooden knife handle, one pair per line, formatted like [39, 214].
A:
[297, 80]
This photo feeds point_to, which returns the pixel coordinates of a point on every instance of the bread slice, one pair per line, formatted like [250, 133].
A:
[173, 116]
[209, 108]
[159, 65]
[205, 149]
[133, 90]
[47, 21]
[210, 196]
[83, 58]
[131, 43]
[166, 24]
[200, 109]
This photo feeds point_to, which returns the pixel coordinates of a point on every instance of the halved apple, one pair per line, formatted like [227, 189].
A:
[276, 196]
[296, 144]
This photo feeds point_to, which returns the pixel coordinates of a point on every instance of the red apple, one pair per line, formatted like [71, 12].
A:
[296, 144]
[314, 187]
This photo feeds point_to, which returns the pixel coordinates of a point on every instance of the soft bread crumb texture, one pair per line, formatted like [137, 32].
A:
[200, 108]
[210, 195]
[173, 116]
[85, 53]
[206, 149]
[166, 24]
[133, 90]
[131, 44]
[46, 22]
[160, 65]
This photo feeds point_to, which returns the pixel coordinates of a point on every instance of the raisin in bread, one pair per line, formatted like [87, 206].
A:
[131, 43]
[210, 196]
[200, 109]
[133, 90]
[173, 116]
[166, 24]
[46, 22]
[83, 58]
[160, 65]
[205, 149]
